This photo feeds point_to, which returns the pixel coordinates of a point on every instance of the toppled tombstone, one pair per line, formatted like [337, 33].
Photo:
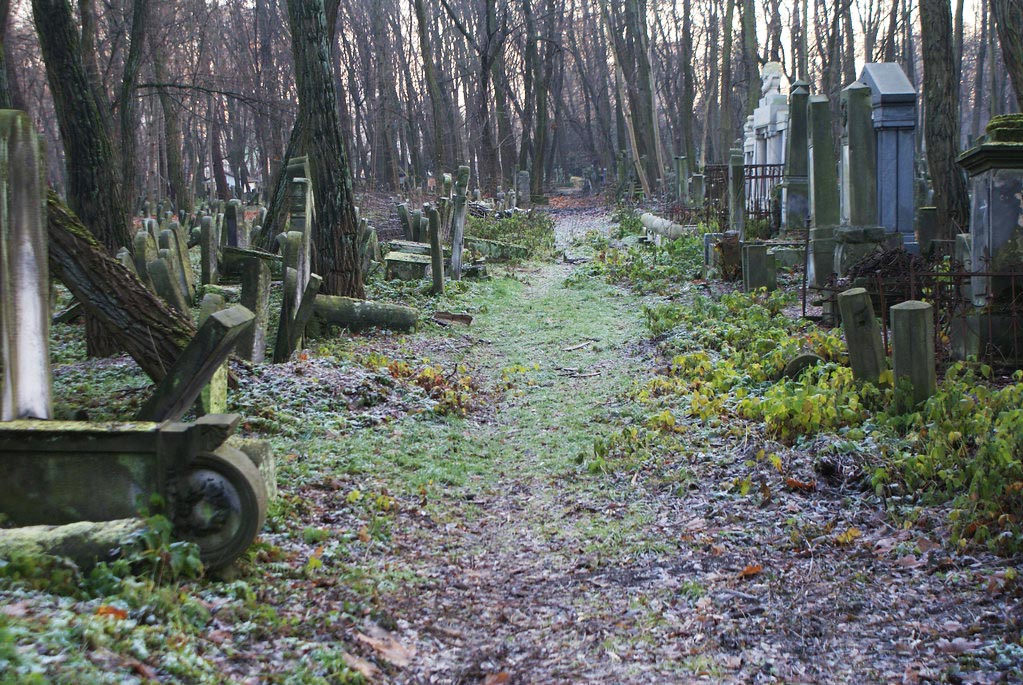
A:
[70, 471]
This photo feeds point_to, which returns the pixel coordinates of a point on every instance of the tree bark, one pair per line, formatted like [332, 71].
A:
[149, 331]
[1009, 19]
[94, 189]
[128, 113]
[335, 255]
[941, 100]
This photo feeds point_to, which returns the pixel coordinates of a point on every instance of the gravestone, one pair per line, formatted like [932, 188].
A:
[823, 164]
[146, 250]
[893, 102]
[863, 335]
[696, 189]
[24, 273]
[758, 268]
[235, 234]
[769, 122]
[181, 244]
[524, 189]
[913, 358]
[192, 370]
[166, 282]
[795, 204]
[213, 398]
[170, 249]
[736, 193]
[682, 179]
[436, 255]
[859, 158]
[711, 266]
[255, 297]
[461, 205]
[209, 248]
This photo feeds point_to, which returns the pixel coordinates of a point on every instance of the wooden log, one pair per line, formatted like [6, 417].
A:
[356, 315]
[85, 543]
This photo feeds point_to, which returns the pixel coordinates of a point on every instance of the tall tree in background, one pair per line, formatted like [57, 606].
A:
[941, 103]
[335, 229]
[94, 189]
[1009, 18]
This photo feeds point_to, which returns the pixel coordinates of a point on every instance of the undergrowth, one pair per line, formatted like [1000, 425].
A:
[725, 377]
[533, 230]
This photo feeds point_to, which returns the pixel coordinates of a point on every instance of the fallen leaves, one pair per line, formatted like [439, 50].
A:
[112, 612]
[387, 646]
[849, 536]
[751, 570]
[800, 486]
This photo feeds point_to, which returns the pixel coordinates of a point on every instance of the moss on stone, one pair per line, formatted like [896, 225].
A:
[1007, 128]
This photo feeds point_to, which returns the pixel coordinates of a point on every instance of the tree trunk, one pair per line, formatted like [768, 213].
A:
[941, 100]
[727, 126]
[1009, 18]
[129, 103]
[335, 255]
[147, 329]
[432, 87]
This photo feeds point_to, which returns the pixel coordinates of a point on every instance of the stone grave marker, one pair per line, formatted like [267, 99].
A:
[794, 193]
[24, 273]
[863, 335]
[255, 297]
[209, 247]
[213, 398]
[913, 358]
[193, 369]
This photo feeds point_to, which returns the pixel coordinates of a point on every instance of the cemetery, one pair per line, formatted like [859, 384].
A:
[490, 342]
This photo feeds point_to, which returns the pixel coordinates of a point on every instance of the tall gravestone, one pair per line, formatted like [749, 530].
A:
[24, 273]
[823, 164]
[736, 193]
[893, 103]
[795, 203]
[859, 158]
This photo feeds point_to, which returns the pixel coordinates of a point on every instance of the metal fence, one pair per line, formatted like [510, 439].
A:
[761, 180]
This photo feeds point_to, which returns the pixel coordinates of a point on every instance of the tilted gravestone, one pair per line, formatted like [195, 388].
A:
[436, 254]
[192, 370]
[863, 335]
[146, 250]
[24, 273]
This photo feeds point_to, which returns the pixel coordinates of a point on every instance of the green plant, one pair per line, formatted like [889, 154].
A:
[533, 230]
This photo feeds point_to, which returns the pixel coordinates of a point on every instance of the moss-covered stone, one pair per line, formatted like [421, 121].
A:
[1006, 128]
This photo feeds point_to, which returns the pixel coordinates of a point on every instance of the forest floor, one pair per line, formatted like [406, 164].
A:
[440, 522]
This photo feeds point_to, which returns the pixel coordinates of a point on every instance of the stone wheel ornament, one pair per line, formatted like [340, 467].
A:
[221, 505]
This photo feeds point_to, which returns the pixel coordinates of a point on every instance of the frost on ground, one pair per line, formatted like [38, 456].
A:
[438, 524]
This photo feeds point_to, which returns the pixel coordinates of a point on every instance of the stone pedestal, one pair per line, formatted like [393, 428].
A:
[820, 262]
[853, 243]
